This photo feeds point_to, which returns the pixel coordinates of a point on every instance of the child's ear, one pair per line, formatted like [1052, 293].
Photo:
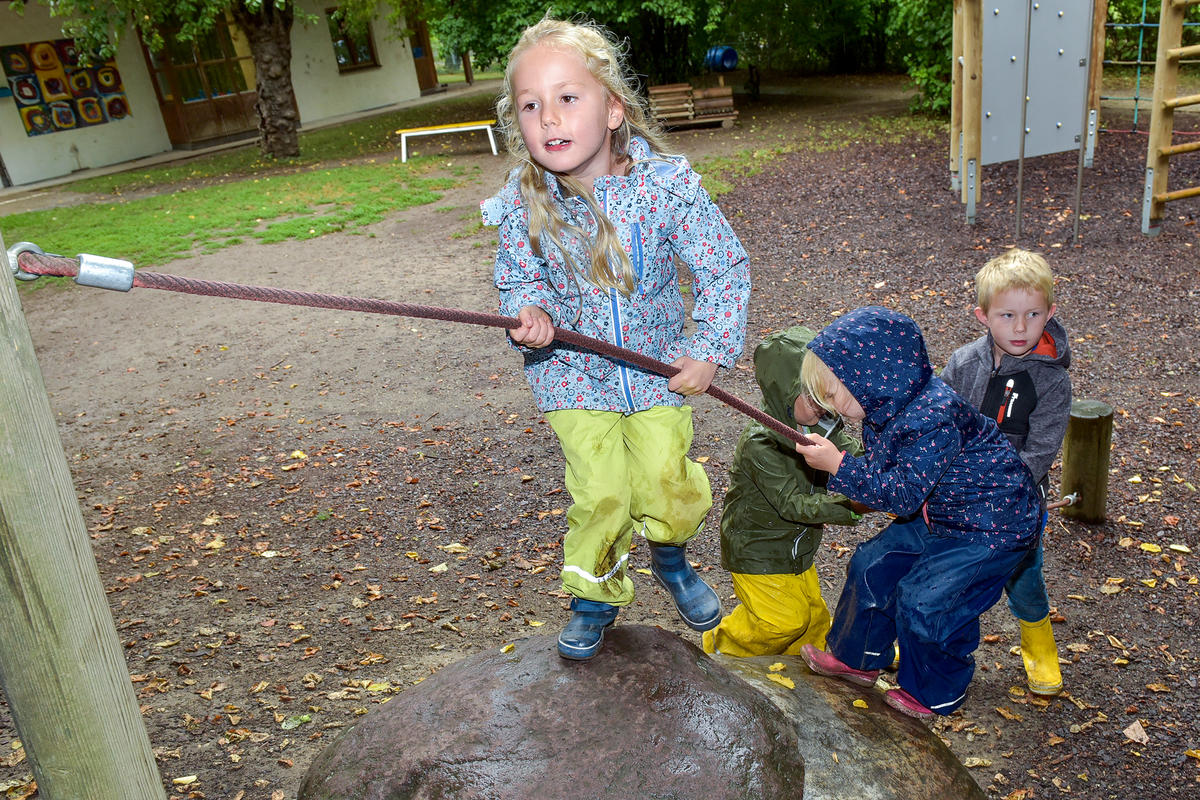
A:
[616, 113]
[981, 315]
[1053, 308]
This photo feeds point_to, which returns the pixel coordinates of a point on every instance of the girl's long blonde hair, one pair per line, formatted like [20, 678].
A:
[604, 57]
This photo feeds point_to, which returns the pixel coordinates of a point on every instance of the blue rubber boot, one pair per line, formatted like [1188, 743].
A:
[695, 600]
[581, 638]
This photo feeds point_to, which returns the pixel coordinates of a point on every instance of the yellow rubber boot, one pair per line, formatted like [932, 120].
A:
[1040, 654]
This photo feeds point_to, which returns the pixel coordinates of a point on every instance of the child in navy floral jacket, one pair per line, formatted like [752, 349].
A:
[967, 509]
[593, 221]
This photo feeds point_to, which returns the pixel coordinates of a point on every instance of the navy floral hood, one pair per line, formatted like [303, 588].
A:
[880, 356]
[927, 450]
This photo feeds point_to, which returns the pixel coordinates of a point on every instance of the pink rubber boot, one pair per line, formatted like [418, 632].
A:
[906, 704]
[826, 664]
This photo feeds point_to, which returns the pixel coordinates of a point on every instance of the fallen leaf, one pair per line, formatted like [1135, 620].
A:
[295, 721]
[1158, 687]
[1136, 733]
[186, 780]
[1180, 548]
[1150, 547]
[778, 666]
[439, 568]
[508, 648]
[782, 680]
[977, 762]
[860, 703]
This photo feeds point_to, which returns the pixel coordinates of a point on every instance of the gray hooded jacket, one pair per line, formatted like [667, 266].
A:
[1029, 397]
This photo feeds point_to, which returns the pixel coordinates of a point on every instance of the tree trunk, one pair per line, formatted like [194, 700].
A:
[269, 30]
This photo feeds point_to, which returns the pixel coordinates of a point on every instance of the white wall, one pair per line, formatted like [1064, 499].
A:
[322, 92]
[29, 159]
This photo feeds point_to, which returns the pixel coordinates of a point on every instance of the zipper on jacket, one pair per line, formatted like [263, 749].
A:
[614, 305]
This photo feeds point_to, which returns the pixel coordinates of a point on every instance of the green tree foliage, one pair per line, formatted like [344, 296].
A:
[810, 35]
[666, 37]
[923, 31]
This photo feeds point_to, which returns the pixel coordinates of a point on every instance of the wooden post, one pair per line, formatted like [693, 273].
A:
[956, 100]
[61, 663]
[1085, 459]
[972, 111]
[1096, 67]
[1162, 117]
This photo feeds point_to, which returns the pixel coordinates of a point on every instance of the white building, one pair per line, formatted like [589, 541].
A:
[57, 117]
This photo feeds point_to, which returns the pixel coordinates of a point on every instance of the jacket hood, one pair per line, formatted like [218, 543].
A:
[777, 367]
[880, 356]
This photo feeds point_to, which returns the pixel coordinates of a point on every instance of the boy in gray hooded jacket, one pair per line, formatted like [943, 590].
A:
[1016, 374]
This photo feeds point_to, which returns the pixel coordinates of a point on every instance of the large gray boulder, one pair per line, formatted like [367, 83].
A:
[650, 717]
[853, 752]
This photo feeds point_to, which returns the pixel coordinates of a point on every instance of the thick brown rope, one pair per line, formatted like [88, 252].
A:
[61, 266]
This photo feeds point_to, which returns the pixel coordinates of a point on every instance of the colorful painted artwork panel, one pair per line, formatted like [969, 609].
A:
[53, 92]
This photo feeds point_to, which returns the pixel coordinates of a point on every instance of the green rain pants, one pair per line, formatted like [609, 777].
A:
[625, 472]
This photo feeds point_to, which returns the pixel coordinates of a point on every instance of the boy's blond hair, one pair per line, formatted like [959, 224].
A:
[818, 380]
[604, 57]
[1014, 269]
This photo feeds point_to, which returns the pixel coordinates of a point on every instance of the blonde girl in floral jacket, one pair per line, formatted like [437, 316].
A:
[593, 222]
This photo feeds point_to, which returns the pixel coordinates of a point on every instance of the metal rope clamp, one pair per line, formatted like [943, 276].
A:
[16, 250]
[105, 273]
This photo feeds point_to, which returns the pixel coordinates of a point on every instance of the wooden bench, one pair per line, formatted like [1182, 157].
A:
[427, 130]
[678, 105]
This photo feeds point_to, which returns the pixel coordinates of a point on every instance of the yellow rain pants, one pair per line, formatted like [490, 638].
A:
[778, 614]
[625, 472]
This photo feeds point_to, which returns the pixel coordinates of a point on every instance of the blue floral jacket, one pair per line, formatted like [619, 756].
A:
[663, 216]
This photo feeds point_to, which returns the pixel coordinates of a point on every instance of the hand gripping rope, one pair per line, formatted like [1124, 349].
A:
[29, 262]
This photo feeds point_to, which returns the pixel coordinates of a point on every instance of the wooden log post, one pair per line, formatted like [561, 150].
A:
[972, 106]
[1085, 460]
[956, 98]
[62, 668]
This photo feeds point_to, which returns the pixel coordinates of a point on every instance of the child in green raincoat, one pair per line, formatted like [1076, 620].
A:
[774, 511]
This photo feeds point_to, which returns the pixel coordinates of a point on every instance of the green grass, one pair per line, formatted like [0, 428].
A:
[272, 208]
[349, 141]
[447, 76]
